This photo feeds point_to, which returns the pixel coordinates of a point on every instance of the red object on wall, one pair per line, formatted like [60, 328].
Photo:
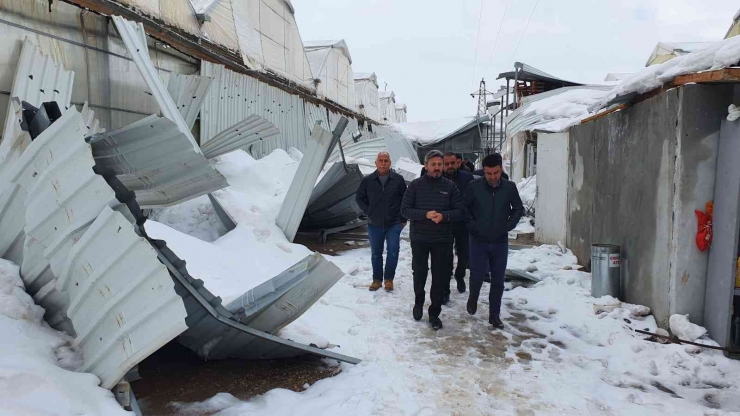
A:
[704, 227]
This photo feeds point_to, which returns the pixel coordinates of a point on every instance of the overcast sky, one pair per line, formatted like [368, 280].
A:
[425, 49]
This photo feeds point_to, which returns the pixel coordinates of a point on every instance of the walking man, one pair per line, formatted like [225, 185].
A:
[460, 165]
[432, 204]
[461, 179]
[379, 197]
[494, 208]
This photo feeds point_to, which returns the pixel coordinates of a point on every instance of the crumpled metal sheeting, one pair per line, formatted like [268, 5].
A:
[154, 159]
[332, 202]
[16, 141]
[38, 79]
[399, 146]
[252, 129]
[122, 300]
[363, 149]
[92, 123]
[276, 303]
[188, 93]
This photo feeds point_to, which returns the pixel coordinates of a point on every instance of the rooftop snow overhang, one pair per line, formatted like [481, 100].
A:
[529, 73]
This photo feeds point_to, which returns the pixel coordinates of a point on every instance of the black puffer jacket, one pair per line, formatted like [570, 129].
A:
[432, 194]
[382, 205]
[492, 213]
[461, 179]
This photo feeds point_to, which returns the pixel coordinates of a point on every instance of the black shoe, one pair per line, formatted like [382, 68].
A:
[436, 323]
[418, 312]
[487, 278]
[461, 285]
[445, 298]
[496, 322]
[472, 306]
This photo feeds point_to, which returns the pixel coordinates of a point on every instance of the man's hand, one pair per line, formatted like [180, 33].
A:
[437, 218]
[431, 215]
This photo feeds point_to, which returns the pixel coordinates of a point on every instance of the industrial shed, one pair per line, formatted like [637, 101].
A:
[331, 64]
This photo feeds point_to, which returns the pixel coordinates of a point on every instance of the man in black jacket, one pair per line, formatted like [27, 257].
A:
[461, 179]
[460, 165]
[494, 208]
[379, 197]
[433, 204]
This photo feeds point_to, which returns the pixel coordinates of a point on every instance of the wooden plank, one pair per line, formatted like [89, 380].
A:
[719, 75]
[204, 49]
[605, 113]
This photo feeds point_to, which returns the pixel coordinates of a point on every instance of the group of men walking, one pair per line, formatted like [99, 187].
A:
[450, 209]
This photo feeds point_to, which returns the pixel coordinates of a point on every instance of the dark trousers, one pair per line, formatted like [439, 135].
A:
[392, 239]
[462, 247]
[485, 257]
[439, 252]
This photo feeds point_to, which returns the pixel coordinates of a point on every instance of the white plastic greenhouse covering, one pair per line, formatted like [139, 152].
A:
[387, 107]
[263, 31]
[331, 63]
[401, 113]
[366, 94]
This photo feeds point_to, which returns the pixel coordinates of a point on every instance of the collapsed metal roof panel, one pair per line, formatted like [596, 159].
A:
[399, 146]
[524, 72]
[299, 192]
[251, 130]
[333, 202]
[122, 301]
[363, 149]
[188, 93]
[38, 79]
[131, 36]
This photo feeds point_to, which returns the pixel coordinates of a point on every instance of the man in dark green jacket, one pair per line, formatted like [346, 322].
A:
[494, 208]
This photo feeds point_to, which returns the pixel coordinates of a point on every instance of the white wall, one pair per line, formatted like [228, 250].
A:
[552, 188]
[367, 96]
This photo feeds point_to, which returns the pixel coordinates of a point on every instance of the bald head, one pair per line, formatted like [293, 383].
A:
[383, 163]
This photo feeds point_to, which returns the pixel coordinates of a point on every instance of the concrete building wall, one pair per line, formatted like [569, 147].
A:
[552, 187]
[635, 178]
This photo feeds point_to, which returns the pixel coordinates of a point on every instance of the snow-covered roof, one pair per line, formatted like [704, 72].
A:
[426, 133]
[401, 107]
[386, 94]
[316, 45]
[717, 55]
[675, 48]
[363, 76]
[530, 73]
[555, 110]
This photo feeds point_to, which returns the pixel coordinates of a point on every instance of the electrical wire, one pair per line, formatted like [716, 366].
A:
[477, 41]
[498, 35]
[513, 55]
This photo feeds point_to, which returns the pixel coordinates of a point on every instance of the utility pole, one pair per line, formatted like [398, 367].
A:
[482, 94]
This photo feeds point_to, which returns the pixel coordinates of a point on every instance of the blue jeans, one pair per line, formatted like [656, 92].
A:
[485, 257]
[392, 239]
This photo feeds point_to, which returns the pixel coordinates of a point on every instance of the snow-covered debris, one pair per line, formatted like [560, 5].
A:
[684, 329]
[723, 54]
[528, 190]
[559, 110]
[407, 168]
[430, 132]
[733, 112]
[37, 363]
[640, 310]
[196, 217]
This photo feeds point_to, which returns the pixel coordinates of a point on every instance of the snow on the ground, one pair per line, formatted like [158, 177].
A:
[525, 226]
[555, 356]
[196, 217]
[718, 55]
[430, 132]
[257, 249]
[37, 363]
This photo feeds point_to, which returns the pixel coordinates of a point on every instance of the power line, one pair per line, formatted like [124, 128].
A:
[525, 31]
[477, 41]
[498, 35]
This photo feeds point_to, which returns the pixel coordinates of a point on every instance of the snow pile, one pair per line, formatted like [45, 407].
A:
[430, 132]
[528, 191]
[407, 168]
[366, 166]
[37, 363]
[196, 217]
[733, 112]
[525, 226]
[723, 54]
[684, 329]
[561, 111]
[257, 249]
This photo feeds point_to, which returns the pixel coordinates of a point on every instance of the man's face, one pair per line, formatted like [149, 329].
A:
[383, 163]
[493, 175]
[434, 167]
[459, 162]
[450, 165]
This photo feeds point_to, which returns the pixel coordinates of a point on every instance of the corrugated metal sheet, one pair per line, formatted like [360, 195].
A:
[92, 123]
[122, 301]
[132, 39]
[333, 202]
[188, 93]
[276, 303]
[38, 79]
[247, 132]
[364, 149]
[299, 192]
[16, 140]
[154, 159]
[399, 146]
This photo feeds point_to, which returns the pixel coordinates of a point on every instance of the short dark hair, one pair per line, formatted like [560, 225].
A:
[458, 156]
[432, 154]
[493, 160]
[448, 154]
